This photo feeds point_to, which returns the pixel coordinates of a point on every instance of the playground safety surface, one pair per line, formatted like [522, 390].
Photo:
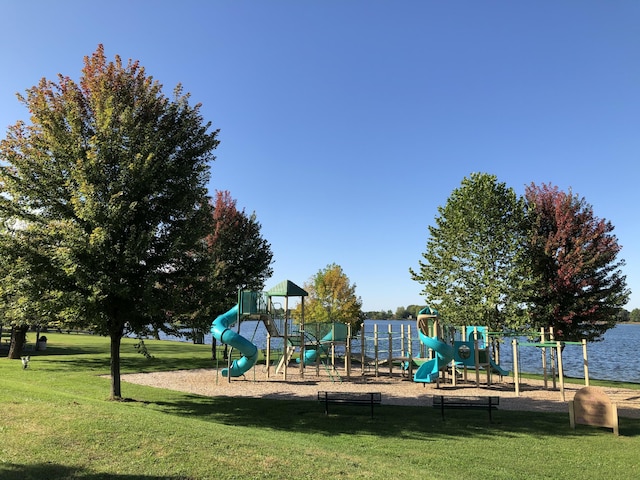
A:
[395, 389]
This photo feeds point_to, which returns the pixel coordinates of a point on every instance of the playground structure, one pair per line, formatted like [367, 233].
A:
[320, 344]
[469, 348]
[309, 340]
[551, 363]
[381, 350]
[474, 351]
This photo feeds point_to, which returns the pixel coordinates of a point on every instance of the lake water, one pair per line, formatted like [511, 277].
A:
[616, 357]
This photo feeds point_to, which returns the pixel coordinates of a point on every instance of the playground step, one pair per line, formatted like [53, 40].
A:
[284, 360]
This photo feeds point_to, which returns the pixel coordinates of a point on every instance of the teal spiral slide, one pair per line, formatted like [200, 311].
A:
[221, 331]
[429, 371]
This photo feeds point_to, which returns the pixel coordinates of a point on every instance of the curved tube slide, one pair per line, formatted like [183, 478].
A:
[310, 354]
[222, 333]
[429, 371]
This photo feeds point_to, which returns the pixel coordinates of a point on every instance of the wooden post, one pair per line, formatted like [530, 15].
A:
[560, 372]
[390, 334]
[302, 342]
[516, 373]
[544, 357]
[363, 358]
[268, 359]
[333, 346]
[286, 335]
[375, 348]
[476, 355]
[318, 352]
[488, 354]
[347, 348]
[553, 359]
[410, 365]
[586, 362]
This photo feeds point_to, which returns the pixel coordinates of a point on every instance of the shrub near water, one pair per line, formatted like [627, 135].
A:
[58, 424]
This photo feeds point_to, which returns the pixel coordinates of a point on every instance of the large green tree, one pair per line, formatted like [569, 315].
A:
[109, 178]
[332, 298]
[578, 287]
[469, 267]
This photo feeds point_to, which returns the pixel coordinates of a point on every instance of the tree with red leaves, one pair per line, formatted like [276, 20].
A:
[240, 257]
[577, 285]
[237, 257]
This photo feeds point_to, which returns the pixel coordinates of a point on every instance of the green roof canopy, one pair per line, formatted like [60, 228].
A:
[287, 289]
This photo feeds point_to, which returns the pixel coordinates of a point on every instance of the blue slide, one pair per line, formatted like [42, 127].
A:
[429, 371]
[498, 369]
[222, 333]
[310, 354]
[482, 332]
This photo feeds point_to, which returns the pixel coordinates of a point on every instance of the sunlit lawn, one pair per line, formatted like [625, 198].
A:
[57, 423]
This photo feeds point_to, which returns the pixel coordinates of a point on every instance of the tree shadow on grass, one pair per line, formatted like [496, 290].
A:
[71, 350]
[388, 421]
[52, 471]
[94, 358]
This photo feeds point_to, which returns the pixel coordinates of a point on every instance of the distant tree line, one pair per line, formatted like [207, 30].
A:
[411, 312]
[402, 313]
[632, 316]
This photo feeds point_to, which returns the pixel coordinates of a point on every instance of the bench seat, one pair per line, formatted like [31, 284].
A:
[487, 403]
[349, 398]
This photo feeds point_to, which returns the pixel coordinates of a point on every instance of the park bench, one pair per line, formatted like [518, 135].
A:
[350, 398]
[485, 403]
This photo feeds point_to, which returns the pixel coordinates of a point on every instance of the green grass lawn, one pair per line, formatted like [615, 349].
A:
[57, 423]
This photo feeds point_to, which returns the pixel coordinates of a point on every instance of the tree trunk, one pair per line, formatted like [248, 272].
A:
[18, 338]
[198, 337]
[116, 393]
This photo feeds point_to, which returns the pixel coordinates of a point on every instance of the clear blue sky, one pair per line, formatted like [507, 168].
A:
[345, 124]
